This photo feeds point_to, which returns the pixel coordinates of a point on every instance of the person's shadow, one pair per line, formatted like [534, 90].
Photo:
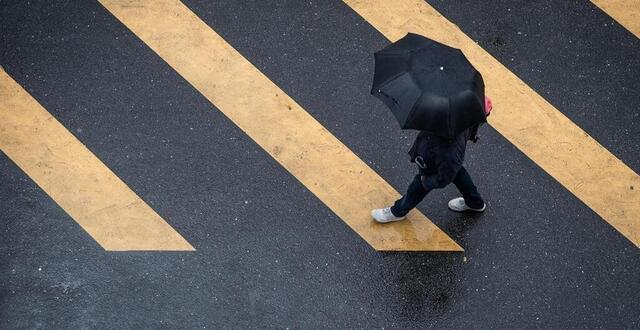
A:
[428, 280]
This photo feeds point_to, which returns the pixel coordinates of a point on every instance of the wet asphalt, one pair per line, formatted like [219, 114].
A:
[269, 253]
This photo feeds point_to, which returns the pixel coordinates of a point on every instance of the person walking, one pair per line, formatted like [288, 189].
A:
[439, 161]
[432, 88]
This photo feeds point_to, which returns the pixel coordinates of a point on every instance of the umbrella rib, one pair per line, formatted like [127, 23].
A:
[413, 107]
[388, 81]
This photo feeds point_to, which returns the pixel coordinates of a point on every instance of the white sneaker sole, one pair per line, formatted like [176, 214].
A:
[390, 220]
[467, 209]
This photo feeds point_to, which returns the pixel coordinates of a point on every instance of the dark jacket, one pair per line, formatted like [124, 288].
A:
[439, 159]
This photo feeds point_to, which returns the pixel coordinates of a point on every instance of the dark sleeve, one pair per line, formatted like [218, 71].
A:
[446, 173]
[413, 152]
[448, 167]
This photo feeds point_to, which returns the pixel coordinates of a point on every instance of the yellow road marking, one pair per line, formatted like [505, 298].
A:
[626, 12]
[276, 122]
[76, 179]
[539, 130]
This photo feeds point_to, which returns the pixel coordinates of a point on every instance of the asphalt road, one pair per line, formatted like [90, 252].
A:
[269, 253]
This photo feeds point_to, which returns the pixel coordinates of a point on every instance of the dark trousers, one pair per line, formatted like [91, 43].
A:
[416, 193]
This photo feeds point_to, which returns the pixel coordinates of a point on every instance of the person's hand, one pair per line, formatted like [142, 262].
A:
[488, 106]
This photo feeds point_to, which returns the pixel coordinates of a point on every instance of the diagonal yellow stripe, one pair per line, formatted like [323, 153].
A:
[539, 130]
[626, 12]
[75, 179]
[276, 122]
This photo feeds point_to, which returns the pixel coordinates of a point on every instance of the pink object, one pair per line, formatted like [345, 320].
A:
[488, 106]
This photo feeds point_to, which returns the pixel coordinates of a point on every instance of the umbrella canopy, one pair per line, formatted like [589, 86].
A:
[429, 86]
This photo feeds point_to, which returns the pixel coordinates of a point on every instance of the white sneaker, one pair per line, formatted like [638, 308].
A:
[384, 215]
[458, 205]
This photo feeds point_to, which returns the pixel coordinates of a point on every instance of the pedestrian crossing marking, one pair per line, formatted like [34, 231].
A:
[331, 171]
[533, 125]
[625, 12]
[76, 179]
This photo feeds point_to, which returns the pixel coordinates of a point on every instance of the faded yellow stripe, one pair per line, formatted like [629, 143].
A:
[543, 133]
[625, 12]
[276, 122]
[75, 179]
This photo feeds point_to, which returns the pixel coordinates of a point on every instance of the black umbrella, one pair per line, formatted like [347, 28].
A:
[429, 86]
